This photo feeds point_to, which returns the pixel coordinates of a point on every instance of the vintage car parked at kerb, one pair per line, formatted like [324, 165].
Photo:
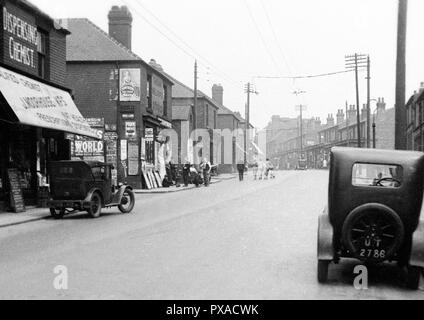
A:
[375, 211]
[86, 186]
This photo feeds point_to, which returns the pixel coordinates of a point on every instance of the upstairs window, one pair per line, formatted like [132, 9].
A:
[42, 54]
[165, 101]
[149, 93]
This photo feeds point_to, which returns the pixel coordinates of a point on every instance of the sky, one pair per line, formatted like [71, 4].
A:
[241, 41]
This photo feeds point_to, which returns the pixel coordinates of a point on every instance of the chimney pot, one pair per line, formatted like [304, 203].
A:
[120, 25]
[218, 93]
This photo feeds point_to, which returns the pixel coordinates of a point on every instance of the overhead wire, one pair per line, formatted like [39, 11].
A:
[201, 60]
[266, 47]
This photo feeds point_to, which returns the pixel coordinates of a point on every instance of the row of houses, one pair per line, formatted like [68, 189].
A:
[71, 90]
[286, 146]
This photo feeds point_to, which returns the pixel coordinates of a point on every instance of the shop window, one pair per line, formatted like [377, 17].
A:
[42, 54]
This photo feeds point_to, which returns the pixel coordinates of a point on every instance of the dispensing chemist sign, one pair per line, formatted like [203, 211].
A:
[21, 37]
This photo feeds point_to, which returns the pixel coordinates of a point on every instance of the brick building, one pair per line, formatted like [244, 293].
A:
[339, 131]
[204, 117]
[126, 98]
[415, 120]
[36, 109]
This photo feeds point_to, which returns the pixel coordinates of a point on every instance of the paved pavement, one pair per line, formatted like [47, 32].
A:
[35, 214]
[250, 240]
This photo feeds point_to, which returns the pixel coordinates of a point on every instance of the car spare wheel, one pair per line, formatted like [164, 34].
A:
[373, 233]
[95, 206]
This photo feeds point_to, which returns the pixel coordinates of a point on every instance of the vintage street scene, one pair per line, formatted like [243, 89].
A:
[251, 150]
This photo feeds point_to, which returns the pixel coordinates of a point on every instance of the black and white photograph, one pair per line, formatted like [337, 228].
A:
[211, 150]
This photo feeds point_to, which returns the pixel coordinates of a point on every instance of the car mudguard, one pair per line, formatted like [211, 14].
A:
[120, 193]
[90, 194]
[325, 237]
[417, 252]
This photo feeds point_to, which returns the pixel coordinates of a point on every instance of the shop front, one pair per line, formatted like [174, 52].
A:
[34, 118]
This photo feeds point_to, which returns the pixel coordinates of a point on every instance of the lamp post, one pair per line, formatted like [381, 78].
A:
[374, 126]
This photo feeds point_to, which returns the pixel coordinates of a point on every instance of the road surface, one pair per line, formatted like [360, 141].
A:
[250, 240]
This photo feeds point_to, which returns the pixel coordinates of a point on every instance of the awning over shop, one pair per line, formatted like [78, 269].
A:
[37, 104]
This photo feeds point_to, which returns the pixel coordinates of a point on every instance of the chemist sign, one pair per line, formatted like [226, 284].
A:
[20, 38]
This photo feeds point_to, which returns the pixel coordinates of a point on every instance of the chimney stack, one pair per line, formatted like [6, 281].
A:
[381, 105]
[330, 121]
[340, 116]
[218, 94]
[351, 115]
[120, 25]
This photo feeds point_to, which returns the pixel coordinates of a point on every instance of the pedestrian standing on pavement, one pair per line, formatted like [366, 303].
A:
[241, 168]
[186, 172]
[206, 168]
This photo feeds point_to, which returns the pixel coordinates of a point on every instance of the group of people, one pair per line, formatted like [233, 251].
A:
[190, 171]
[262, 170]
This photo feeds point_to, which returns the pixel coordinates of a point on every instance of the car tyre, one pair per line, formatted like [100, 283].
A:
[57, 214]
[96, 206]
[129, 206]
[413, 277]
[361, 212]
[323, 270]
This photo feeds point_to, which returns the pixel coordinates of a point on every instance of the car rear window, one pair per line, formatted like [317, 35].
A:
[377, 175]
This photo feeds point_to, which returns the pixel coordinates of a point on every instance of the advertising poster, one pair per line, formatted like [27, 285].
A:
[129, 85]
[130, 129]
[133, 161]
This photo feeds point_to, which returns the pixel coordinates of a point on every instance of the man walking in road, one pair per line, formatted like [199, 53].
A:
[206, 167]
[241, 167]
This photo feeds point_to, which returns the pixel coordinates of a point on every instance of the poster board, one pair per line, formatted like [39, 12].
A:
[146, 180]
[158, 180]
[152, 178]
[16, 195]
[129, 85]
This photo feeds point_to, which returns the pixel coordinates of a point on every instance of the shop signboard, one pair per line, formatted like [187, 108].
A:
[96, 122]
[37, 104]
[129, 85]
[20, 39]
[88, 148]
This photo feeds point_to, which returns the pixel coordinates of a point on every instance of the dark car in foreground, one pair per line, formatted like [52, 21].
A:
[375, 211]
[86, 186]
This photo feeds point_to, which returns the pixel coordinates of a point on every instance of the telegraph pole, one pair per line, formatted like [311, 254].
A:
[195, 95]
[368, 102]
[301, 108]
[355, 62]
[248, 90]
[400, 120]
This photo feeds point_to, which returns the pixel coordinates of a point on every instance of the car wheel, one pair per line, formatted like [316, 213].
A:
[373, 233]
[323, 270]
[127, 201]
[57, 214]
[413, 277]
[96, 206]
